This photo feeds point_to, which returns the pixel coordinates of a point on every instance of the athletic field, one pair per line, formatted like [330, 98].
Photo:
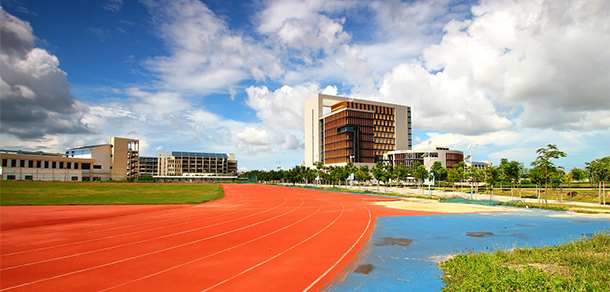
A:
[256, 238]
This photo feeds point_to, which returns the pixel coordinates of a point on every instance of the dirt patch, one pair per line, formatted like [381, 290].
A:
[549, 268]
[393, 241]
[479, 234]
[364, 269]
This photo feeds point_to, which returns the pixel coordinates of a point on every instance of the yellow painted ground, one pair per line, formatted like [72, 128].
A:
[434, 206]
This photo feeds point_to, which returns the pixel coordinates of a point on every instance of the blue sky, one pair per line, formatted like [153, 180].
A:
[232, 76]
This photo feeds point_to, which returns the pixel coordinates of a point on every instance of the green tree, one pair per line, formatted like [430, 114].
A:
[492, 176]
[512, 171]
[401, 172]
[600, 172]
[420, 173]
[578, 174]
[545, 164]
[453, 176]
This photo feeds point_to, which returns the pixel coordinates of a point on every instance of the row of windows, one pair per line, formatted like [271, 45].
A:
[386, 147]
[47, 164]
[348, 145]
[384, 141]
[346, 153]
[385, 135]
[384, 129]
[347, 121]
[384, 118]
[384, 123]
[368, 107]
[364, 131]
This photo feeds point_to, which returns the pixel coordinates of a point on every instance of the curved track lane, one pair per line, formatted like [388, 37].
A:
[257, 238]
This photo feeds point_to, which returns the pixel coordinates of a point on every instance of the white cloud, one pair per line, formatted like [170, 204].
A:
[283, 108]
[204, 54]
[113, 5]
[441, 103]
[546, 59]
[35, 94]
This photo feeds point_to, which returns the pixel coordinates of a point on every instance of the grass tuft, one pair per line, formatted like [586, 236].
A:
[582, 265]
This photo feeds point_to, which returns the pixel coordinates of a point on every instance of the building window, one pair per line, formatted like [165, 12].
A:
[10, 177]
[75, 165]
[21, 163]
[30, 163]
[38, 164]
[4, 162]
[69, 165]
[54, 164]
[85, 165]
[46, 164]
[61, 165]
[75, 178]
[86, 178]
[97, 166]
[29, 177]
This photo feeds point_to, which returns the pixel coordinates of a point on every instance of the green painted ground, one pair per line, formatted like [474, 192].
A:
[95, 193]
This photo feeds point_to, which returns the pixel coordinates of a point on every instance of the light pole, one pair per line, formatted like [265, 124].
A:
[471, 167]
[428, 156]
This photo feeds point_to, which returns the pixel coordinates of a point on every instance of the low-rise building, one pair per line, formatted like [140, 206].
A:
[180, 163]
[482, 165]
[30, 165]
[448, 158]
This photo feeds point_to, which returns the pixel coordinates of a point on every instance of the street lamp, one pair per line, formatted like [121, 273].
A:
[470, 181]
[470, 146]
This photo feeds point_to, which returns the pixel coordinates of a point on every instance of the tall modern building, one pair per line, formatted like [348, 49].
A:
[339, 130]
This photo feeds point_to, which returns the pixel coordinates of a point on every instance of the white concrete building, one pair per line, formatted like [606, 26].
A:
[448, 158]
[28, 165]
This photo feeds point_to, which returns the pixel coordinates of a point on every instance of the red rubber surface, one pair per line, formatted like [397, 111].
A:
[257, 238]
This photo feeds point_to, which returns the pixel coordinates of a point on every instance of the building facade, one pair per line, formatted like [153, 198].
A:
[117, 160]
[195, 163]
[448, 158]
[339, 130]
[27, 165]
[148, 165]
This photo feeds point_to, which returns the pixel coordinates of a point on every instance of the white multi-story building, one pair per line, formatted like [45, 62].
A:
[117, 160]
[30, 165]
[448, 158]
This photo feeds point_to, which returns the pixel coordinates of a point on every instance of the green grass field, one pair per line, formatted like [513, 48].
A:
[582, 265]
[95, 193]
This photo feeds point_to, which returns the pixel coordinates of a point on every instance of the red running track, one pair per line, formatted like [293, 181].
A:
[257, 238]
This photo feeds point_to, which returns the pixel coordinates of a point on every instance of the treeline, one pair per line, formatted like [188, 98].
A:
[542, 174]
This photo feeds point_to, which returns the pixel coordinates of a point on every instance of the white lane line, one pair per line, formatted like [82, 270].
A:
[216, 253]
[279, 254]
[136, 242]
[125, 234]
[151, 253]
[344, 255]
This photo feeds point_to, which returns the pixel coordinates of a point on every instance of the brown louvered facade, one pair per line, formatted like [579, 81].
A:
[358, 132]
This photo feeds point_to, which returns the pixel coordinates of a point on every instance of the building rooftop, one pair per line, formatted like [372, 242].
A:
[24, 152]
[85, 147]
[199, 154]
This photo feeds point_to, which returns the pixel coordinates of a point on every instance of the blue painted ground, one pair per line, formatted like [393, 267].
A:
[399, 264]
